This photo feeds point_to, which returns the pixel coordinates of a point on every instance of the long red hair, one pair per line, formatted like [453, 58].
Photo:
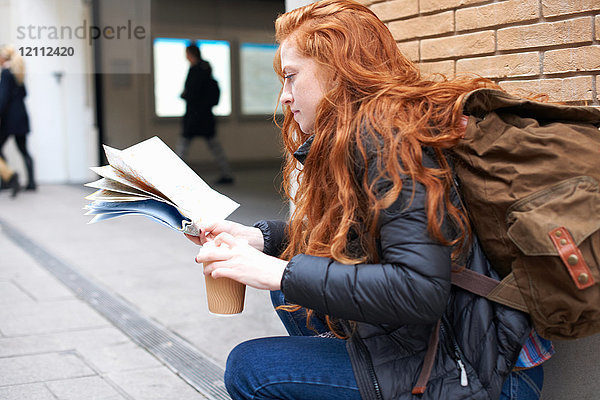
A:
[380, 98]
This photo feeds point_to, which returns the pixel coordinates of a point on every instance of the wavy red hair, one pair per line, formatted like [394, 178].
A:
[375, 86]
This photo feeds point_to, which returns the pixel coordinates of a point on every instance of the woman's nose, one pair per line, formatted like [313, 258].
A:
[286, 98]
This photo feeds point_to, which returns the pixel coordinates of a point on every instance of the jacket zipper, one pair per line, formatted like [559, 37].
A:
[364, 360]
[374, 380]
[455, 353]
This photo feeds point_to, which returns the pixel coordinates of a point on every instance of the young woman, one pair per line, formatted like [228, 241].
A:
[367, 254]
[14, 120]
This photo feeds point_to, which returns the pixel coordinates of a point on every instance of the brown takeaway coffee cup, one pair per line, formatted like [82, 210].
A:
[225, 296]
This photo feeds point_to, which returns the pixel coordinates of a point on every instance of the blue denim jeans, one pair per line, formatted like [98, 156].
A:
[525, 384]
[299, 366]
[304, 366]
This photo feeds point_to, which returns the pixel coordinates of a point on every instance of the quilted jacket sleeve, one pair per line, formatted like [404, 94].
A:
[274, 236]
[410, 286]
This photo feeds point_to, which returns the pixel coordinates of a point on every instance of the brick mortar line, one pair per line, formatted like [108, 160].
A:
[524, 23]
[543, 49]
[546, 77]
[541, 18]
[433, 12]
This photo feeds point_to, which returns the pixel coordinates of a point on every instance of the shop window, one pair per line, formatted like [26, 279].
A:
[260, 85]
[171, 68]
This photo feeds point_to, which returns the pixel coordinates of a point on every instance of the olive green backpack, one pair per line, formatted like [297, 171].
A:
[529, 174]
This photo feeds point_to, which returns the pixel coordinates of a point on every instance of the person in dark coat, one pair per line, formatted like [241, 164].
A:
[360, 273]
[199, 120]
[14, 120]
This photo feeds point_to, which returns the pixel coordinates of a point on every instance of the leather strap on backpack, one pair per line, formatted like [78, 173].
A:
[429, 360]
[572, 258]
[504, 292]
[507, 292]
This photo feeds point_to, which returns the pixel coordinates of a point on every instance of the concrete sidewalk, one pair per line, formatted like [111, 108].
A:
[54, 344]
[117, 310]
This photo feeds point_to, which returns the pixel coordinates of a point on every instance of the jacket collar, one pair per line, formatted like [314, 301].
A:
[303, 150]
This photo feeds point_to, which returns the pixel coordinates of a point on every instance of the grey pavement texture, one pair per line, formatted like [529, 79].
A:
[55, 345]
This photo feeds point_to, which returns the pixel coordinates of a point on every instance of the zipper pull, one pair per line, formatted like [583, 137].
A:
[463, 373]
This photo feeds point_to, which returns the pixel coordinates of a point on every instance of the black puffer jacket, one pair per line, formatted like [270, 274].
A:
[397, 303]
[198, 119]
[13, 113]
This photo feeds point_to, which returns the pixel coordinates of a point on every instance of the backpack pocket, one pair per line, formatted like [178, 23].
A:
[573, 203]
[560, 307]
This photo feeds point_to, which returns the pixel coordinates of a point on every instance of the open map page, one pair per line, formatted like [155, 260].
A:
[150, 179]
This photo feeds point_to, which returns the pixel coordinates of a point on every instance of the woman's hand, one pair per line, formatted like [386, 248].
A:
[208, 231]
[229, 257]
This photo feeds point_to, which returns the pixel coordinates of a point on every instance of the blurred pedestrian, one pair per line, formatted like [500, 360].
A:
[9, 179]
[14, 120]
[201, 93]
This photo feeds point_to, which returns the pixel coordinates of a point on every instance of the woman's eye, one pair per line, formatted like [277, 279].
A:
[288, 76]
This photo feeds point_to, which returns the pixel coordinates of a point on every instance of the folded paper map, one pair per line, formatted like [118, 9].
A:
[150, 179]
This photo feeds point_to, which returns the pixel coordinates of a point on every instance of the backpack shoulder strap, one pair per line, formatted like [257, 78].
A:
[504, 292]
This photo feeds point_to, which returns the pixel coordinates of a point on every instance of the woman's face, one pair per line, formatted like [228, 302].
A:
[305, 84]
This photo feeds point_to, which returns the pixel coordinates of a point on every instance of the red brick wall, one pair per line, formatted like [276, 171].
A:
[528, 46]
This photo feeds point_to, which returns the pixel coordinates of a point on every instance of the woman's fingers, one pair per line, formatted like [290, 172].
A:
[207, 227]
[229, 240]
[202, 236]
[224, 238]
[222, 273]
[196, 239]
[214, 269]
[229, 257]
[211, 253]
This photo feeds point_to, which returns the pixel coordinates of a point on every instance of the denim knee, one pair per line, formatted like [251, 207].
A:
[238, 370]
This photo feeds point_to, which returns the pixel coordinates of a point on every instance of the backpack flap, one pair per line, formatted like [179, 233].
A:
[557, 230]
[482, 101]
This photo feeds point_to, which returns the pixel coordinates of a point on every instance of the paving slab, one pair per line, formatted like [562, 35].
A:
[14, 262]
[11, 294]
[124, 356]
[87, 388]
[42, 367]
[35, 391]
[61, 341]
[154, 384]
[43, 287]
[34, 318]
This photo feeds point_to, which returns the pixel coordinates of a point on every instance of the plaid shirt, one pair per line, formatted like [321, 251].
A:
[535, 351]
